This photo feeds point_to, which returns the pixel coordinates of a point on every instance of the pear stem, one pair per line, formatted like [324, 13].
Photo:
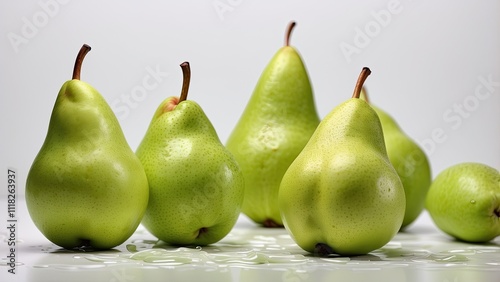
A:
[365, 72]
[79, 60]
[288, 33]
[186, 72]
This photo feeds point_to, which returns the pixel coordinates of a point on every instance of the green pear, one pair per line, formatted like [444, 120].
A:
[196, 186]
[464, 202]
[277, 122]
[341, 194]
[85, 188]
[409, 160]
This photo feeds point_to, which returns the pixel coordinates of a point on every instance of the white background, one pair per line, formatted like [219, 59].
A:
[427, 60]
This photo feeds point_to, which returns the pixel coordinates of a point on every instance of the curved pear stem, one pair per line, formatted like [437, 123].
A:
[79, 60]
[186, 72]
[288, 33]
[365, 72]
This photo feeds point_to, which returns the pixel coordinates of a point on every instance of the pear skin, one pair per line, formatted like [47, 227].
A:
[464, 202]
[196, 186]
[276, 124]
[410, 162]
[341, 194]
[85, 188]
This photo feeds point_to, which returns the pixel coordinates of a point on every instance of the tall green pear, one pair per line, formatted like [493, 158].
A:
[341, 194]
[196, 186]
[86, 188]
[274, 127]
[409, 160]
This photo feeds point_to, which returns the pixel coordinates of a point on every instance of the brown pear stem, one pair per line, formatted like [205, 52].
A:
[365, 72]
[186, 72]
[288, 33]
[79, 60]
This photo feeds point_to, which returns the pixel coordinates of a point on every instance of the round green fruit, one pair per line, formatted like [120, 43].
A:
[464, 202]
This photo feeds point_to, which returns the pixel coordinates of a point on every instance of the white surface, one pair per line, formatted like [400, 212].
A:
[252, 253]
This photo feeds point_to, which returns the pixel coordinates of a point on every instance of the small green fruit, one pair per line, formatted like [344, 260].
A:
[464, 202]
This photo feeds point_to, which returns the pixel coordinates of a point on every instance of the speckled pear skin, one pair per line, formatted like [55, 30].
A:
[411, 164]
[196, 186]
[86, 187]
[342, 191]
[464, 202]
[277, 122]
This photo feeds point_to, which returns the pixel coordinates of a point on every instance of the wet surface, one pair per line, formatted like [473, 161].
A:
[252, 253]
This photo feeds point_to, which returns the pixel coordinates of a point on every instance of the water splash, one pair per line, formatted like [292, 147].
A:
[274, 249]
[448, 258]
[70, 267]
[104, 258]
[341, 260]
[199, 256]
[4, 261]
[256, 257]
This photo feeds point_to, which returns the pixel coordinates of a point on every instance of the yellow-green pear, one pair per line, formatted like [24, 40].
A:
[86, 188]
[464, 202]
[341, 194]
[196, 186]
[274, 127]
[409, 160]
